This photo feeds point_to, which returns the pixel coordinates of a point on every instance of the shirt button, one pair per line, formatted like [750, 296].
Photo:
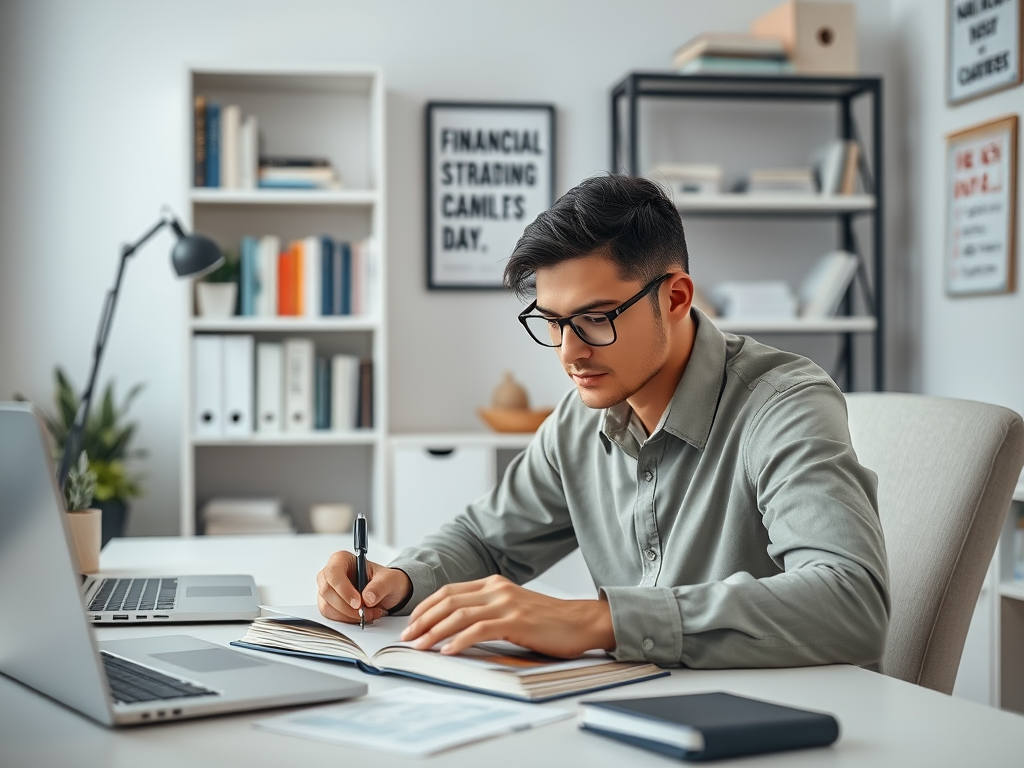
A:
[648, 475]
[648, 644]
[651, 554]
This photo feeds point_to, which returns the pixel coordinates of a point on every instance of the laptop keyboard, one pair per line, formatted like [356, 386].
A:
[135, 595]
[131, 682]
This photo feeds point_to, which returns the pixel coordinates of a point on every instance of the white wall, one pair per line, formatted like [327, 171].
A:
[93, 142]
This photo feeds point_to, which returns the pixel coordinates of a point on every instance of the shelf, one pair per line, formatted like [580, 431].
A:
[284, 324]
[823, 325]
[771, 204]
[1012, 589]
[300, 197]
[793, 87]
[461, 439]
[359, 437]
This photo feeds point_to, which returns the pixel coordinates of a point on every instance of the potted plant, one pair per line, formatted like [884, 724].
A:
[217, 293]
[107, 442]
[84, 520]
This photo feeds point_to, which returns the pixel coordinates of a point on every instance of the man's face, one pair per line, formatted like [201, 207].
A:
[604, 376]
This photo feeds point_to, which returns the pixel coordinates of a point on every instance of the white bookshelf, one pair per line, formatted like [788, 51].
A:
[324, 111]
[775, 203]
[838, 324]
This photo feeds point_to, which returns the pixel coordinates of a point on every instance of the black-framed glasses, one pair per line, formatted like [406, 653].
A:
[597, 329]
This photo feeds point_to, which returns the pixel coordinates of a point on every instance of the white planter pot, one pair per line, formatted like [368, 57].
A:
[216, 299]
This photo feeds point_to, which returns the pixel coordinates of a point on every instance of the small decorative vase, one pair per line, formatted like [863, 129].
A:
[510, 394]
[216, 299]
[85, 533]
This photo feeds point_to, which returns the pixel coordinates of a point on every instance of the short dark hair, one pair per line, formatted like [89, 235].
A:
[630, 220]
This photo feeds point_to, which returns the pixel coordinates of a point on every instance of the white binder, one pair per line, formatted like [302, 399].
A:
[238, 385]
[207, 418]
[344, 392]
[298, 385]
[268, 387]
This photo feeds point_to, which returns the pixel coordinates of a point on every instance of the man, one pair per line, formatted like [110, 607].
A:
[707, 479]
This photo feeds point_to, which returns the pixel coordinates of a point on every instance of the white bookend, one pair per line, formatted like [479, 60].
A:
[248, 152]
[238, 385]
[269, 376]
[344, 392]
[823, 288]
[312, 265]
[270, 249]
[299, 359]
[230, 151]
[207, 392]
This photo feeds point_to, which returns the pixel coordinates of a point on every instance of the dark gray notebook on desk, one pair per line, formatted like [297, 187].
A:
[709, 726]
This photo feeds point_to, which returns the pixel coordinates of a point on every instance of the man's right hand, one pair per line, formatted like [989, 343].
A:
[339, 600]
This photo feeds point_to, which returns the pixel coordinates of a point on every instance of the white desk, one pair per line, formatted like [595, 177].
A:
[884, 722]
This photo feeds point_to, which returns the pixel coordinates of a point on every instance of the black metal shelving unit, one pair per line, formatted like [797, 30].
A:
[844, 92]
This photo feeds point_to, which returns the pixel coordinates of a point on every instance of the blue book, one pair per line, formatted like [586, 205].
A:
[322, 394]
[213, 145]
[287, 184]
[345, 279]
[327, 276]
[248, 282]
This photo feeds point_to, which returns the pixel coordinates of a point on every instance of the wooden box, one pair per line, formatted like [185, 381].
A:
[820, 38]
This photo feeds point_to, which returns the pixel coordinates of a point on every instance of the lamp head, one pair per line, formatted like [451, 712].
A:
[194, 255]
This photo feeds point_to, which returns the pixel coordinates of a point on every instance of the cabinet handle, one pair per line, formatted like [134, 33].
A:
[440, 452]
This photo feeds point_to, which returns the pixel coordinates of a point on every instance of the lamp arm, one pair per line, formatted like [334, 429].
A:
[73, 441]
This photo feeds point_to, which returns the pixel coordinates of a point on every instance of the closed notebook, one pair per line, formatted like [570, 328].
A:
[708, 726]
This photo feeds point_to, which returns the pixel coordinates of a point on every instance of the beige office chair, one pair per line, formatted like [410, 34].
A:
[946, 473]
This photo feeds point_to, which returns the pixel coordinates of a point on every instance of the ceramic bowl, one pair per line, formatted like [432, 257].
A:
[514, 419]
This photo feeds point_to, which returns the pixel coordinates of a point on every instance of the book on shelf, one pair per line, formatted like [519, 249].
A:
[199, 142]
[298, 384]
[234, 516]
[835, 167]
[230, 146]
[688, 178]
[322, 397]
[728, 45]
[280, 177]
[708, 726]
[313, 277]
[778, 181]
[754, 300]
[364, 418]
[269, 386]
[293, 161]
[248, 152]
[497, 669]
[212, 144]
[825, 285]
[344, 383]
[735, 65]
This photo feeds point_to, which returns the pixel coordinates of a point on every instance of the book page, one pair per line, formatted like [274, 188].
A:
[382, 633]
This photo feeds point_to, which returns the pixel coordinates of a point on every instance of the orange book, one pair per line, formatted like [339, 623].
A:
[286, 282]
[300, 270]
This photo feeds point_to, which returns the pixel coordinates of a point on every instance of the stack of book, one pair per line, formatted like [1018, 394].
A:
[754, 300]
[297, 173]
[312, 277]
[731, 54]
[230, 517]
[688, 178]
[241, 387]
[225, 146]
[793, 181]
[835, 167]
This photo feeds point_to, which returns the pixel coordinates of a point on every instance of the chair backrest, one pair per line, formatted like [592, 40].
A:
[946, 473]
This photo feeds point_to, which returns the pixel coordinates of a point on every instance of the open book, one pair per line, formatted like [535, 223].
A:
[499, 669]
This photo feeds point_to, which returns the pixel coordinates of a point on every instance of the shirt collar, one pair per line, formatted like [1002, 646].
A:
[691, 411]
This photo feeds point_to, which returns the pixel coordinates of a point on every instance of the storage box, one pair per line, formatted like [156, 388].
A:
[820, 38]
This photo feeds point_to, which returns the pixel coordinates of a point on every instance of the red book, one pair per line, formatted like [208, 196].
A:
[286, 282]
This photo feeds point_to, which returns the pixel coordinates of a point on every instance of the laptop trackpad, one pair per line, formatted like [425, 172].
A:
[218, 591]
[209, 660]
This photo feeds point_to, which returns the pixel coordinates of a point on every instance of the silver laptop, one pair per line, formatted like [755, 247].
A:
[47, 643]
[139, 599]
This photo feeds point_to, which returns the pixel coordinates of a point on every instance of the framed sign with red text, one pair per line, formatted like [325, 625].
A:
[981, 208]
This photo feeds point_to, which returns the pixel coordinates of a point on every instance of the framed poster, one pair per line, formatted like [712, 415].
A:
[981, 208]
[490, 171]
[984, 52]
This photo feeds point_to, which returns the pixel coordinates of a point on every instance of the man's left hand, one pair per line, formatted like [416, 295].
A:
[496, 609]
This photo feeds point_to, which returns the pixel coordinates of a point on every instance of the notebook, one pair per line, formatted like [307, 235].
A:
[498, 669]
[47, 642]
[709, 726]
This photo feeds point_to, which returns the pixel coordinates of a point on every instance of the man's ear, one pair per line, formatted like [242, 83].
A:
[680, 295]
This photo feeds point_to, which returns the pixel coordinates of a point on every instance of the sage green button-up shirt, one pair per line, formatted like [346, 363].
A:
[742, 533]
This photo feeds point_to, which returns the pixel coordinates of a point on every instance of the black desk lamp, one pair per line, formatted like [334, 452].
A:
[193, 256]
